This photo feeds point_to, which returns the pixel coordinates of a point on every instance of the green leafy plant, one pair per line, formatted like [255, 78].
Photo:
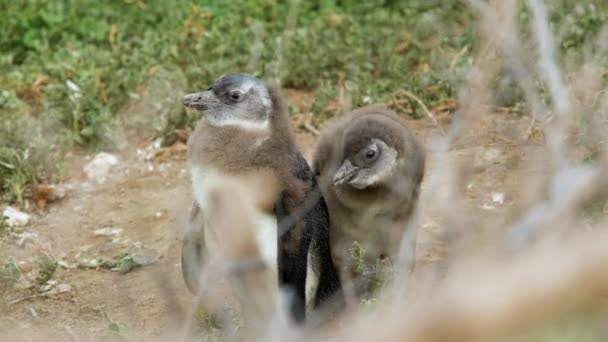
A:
[47, 266]
[9, 273]
[9, 276]
[4, 228]
[120, 330]
[375, 275]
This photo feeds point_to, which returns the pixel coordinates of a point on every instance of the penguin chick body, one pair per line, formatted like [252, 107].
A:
[370, 167]
[244, 135]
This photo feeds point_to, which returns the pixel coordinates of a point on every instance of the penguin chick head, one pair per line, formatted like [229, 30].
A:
[233, 99]
[366, 163]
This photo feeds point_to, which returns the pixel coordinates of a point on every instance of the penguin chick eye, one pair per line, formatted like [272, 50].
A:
[370, 154]
[235, 95]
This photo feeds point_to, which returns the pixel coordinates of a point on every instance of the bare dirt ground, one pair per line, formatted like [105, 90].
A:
[149, 201]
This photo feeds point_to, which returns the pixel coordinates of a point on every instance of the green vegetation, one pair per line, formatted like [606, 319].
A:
[47, 266]
[214, 325]
[120, 331]
[9, 276]
[72, 71]
[4, 228]
[374, 276]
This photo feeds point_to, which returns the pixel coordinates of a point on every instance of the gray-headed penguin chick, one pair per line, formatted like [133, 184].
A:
[370, 167]
[244, 135]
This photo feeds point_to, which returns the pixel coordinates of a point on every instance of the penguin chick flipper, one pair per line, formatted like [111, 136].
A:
[292, 256]
[193, 245]
[305, 261]
[327, 295]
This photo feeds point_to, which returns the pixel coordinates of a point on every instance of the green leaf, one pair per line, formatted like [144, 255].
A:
[88, 132]
[9, 273]
[51, 18]
[120, 329]
[31, 38]
[94, 29]
[48, 266]
[131, 262]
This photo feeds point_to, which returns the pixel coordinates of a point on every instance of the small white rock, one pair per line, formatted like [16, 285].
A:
[65, 264]
[24, 237]
[62, 288]
[15, 217]
[156, 144]
[89, 263]
[48, 286]
[159, 214]
[33, 313]
[498, 197]
[100, 166]
[108, 231]
[149, 152]
[73, 86]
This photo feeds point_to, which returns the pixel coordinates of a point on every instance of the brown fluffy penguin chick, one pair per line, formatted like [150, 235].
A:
[244, 135]
[370, 167]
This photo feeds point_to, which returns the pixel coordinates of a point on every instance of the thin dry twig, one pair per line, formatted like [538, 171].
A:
[458, 57]
[424, 108]
[23, 299]
[310, 128]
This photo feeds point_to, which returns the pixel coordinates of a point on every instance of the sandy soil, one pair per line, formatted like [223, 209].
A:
[149, 201]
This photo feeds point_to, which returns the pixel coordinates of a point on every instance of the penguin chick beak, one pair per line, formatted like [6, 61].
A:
[346, 173]
[200, 101]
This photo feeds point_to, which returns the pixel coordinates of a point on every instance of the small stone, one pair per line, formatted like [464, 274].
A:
[15, 218]
[24, 237]
[100, 166]
[63, 288]
[157, 143]
[498, 197]
[72, 86]
[65, 264]
[33, 313]
[48, 286]
[108, 231]
[90, 263]
[149, 152]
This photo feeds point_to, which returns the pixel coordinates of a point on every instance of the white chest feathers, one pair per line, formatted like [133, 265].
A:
[256, 191]
[266, 237]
